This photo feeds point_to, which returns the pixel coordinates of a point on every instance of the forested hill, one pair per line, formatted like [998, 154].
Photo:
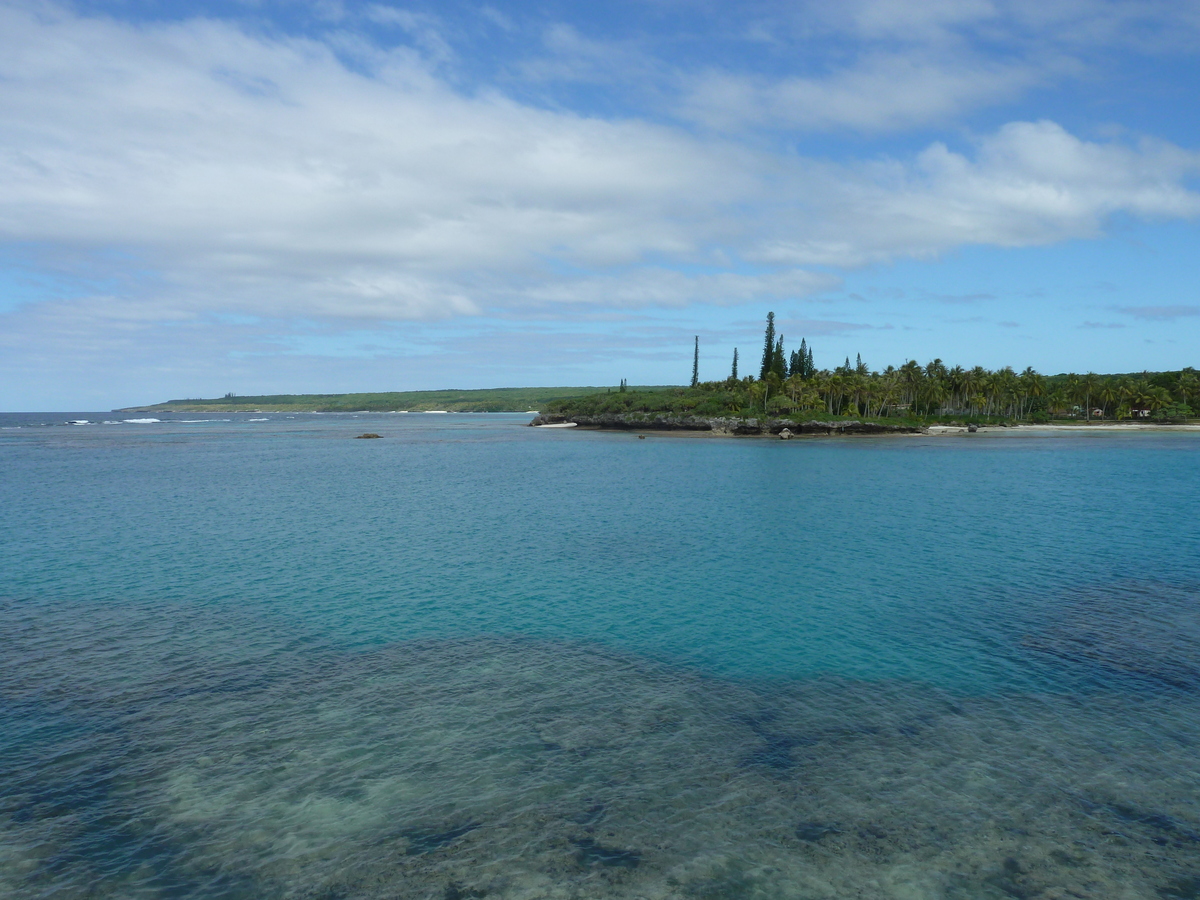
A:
[487, 400]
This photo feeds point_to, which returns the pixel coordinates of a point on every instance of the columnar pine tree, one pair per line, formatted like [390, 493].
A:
[802, 369]
[696, 363]
[809, 368]
[778, 365]
[733, 374]
[768, 357]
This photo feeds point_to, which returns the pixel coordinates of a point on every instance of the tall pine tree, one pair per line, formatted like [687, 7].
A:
[778, 364]
[696, 363]
[733, 374]
[768, 358]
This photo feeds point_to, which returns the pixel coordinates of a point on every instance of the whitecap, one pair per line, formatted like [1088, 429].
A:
[79, 422]
[141, 421]
[258, 420]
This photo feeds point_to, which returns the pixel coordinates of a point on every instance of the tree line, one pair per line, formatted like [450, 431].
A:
[791, 383]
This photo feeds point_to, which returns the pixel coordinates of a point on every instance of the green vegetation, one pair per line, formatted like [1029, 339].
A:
[792, 387]
[492, 400]
[910, 394]
[913, 394]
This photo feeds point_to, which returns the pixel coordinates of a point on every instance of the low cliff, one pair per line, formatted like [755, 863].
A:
[721, 424]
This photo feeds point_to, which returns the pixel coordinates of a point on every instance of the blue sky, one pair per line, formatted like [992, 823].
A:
[267, 197]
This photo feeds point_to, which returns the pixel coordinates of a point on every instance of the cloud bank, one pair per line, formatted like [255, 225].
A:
[274, 176]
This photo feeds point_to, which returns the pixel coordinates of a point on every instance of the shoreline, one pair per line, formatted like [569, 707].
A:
[723, 426]
[1110, 427]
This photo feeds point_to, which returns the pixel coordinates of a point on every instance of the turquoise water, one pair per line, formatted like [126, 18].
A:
[253, 657]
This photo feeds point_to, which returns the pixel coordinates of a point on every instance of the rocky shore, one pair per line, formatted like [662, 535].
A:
[721, 424]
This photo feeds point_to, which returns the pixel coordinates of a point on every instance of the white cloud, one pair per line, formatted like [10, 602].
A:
[265, 177]
[667, 288]
[882, 92]
[1030, 183]
[881, 66]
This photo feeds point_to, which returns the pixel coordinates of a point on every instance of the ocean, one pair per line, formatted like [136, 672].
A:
[250, 656]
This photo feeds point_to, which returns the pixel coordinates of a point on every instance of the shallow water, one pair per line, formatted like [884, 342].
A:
[262, 659]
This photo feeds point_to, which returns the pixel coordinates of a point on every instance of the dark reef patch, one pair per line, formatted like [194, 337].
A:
[1136, 630]
[590, 853]
[813, 832]
[427, 841]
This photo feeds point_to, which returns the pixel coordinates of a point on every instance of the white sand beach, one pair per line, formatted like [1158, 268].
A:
[1082, 427]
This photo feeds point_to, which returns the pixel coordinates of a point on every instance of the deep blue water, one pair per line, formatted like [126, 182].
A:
[250, 656]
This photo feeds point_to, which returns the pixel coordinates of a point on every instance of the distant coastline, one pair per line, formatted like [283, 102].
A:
[518, 400]
[790, 399]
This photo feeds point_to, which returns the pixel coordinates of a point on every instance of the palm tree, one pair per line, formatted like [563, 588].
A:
[824, 388]
[1157, 398]
[1032, 385]
[973, 386]
[954, 380]
[995, 388]
[1109, 393]
[936, 370]
[806, 397]
[910, 378]
[1089, 385]
[1130, 394]
[936, 393]
[1058, 399]
[1188, 386]
[837, 389]
[869, 393]
[1072, 387]
[889, 390]
[1010, 389]
[1142, 395]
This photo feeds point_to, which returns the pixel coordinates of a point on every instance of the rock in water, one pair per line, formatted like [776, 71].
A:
[369, 434]
[785, 435]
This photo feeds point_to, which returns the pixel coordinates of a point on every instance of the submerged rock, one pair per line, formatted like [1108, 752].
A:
[369, 434]
[589, 853]
[816, 831]
[1146, 631]
[427, 841]
[1185, 888]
